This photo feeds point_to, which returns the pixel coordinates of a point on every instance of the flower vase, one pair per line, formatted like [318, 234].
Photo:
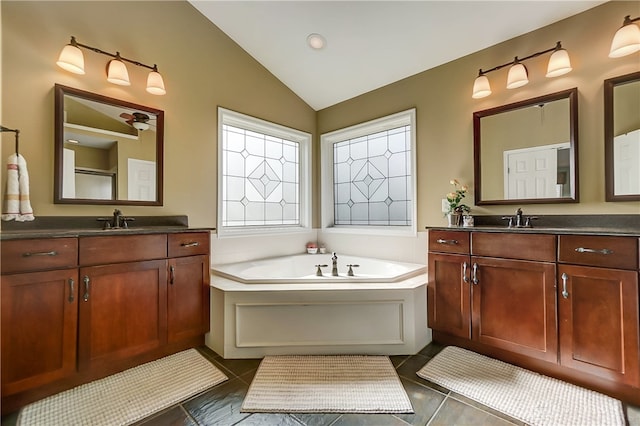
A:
[454, 219]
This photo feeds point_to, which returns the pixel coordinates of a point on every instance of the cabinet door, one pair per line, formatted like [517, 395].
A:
[514, 306]
[448, 304]
[39, 328]
[599, 322]
[123, 311]
[188, 297]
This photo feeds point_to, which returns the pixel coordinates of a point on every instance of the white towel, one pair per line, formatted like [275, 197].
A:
[16, 198]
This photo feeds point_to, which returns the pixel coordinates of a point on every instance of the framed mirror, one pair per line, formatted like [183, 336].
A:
[622, 137]
[107, 151]
[527, 152]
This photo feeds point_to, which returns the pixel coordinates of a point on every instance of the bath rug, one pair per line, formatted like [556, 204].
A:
[129, 396]
[326, 384]
[522, 394]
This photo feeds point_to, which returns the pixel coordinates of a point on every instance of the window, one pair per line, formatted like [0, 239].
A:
[368, 175]
[264, 176]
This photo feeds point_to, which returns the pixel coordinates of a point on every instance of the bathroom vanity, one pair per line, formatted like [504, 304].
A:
[563, 302]
[81, 305]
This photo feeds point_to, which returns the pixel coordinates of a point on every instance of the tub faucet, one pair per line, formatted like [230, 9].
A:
[334, 269]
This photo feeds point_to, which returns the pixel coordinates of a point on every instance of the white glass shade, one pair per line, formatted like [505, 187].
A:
[517, 76]
[117, 73]
[316, 41]
[142, 126]
[481, 87]
[626, 41]
[155, 84]
[71, 59]
[559, 63]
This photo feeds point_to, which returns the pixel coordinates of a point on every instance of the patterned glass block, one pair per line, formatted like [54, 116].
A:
[260, 179]
[372, 178]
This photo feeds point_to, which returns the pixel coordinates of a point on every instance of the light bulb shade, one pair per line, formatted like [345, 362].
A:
[117, 73]
[481, 87]
[559, 63]
[140, 125]
[517, 76]
[155, 84]
[626, 41]
[71, 59]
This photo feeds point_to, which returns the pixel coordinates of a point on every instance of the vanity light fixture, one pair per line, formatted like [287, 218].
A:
[72, 59]
[518, 76]
[627, 39]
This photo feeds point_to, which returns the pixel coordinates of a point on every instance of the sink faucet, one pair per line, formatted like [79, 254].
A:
[519, 221]
[334, 269]
[117, 221]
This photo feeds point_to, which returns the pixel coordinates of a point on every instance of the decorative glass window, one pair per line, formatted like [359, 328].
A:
[368, 174]
[264, 182]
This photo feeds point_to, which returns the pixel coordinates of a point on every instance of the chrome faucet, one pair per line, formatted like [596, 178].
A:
[334, 269]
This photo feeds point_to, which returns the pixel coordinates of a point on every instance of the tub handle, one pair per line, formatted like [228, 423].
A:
[319, 271]
[350, 271]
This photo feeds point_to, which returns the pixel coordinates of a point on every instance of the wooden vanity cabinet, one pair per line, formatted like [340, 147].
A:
[448, 291]
[38, 312]
[598, 307]
[188, 289]
[97, 305]
[513, 293]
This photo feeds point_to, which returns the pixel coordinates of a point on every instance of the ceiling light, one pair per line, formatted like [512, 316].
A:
[316, 41]
[72, 59]
[627, 39]
[73, 141]
[518, 76]
[140, 125]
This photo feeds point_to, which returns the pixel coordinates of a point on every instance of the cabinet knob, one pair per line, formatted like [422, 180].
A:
[172, 274]
[596, 251]
[441, 241]
[71, 290]
[474, 278]
[191, 244]
[464, 272]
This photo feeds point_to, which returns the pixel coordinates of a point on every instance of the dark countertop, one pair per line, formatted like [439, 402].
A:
[624, 225]
[83, 226]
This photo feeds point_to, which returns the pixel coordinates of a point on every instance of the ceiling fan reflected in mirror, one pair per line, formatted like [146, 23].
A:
[138, 120]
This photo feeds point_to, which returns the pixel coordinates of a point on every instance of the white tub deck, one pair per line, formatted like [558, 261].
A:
[318, 315]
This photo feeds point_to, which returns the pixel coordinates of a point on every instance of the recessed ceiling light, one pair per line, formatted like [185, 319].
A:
[316, 41]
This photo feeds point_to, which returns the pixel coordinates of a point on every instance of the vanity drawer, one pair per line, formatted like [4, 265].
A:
[539, 247]
[122, 248]
[449, 241]
[592, 250]
[188, 244]
[39, 254]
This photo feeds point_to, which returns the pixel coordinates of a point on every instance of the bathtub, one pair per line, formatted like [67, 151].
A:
[302, 269]
[279, 306]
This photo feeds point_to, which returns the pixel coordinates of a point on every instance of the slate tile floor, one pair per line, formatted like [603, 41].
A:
[433, 404]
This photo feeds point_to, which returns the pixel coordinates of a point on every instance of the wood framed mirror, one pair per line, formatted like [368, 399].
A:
[527, 152]
[622, 137]
[107, 151]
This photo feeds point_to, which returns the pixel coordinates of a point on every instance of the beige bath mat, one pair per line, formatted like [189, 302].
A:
[531, 397]
[128, 396]
[326, 384]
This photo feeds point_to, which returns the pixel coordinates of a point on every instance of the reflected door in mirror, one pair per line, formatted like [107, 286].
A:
[622, 137]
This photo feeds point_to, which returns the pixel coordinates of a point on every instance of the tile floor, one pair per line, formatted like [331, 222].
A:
[433, 404]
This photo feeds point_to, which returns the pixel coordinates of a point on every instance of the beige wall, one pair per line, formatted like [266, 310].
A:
[203, 68]
[442, 97]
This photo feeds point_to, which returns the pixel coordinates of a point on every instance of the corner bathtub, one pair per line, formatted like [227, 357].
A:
[279, 306]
